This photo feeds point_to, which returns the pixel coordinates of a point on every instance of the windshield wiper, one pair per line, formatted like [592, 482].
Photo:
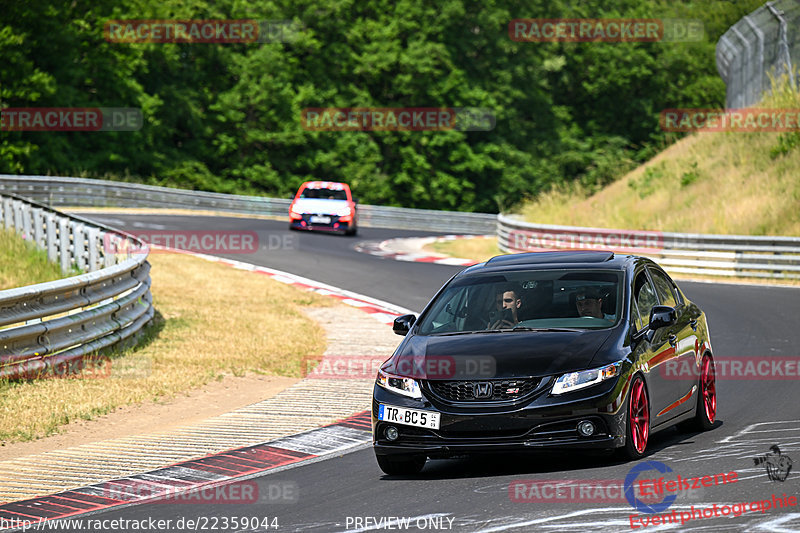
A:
[506, 330]
[544, 329]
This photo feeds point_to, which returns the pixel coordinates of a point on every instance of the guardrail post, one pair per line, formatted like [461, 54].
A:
[8, 213]
[79, 245]
[17, 216]
[64, 245]
[51, 228]
[94, 259]
[27, 227]
[110, 248]
[38, 227]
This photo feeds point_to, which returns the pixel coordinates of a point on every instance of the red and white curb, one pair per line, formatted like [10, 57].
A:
[192, 481]
[166, 484]
[412, 249]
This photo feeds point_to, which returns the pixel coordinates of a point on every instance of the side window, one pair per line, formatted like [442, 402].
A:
[664, 288]
[449, 312]
[645, 297]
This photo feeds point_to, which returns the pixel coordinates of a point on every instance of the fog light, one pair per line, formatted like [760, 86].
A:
[391, 433]
[585, 428]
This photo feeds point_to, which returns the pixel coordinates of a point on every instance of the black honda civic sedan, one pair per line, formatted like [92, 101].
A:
[547, 350]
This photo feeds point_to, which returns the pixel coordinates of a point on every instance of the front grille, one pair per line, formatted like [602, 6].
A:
[469, 391]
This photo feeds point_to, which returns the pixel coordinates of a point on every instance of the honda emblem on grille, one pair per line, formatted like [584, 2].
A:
[483, 389]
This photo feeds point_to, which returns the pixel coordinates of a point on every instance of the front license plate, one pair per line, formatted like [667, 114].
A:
[320, 220]
[408, 417]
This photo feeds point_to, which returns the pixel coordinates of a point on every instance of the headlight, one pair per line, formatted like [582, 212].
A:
[585, 378]
[405, 386]
[295, 210]
[343, 211]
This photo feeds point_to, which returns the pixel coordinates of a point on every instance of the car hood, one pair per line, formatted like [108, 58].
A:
[497, 355]
[319, 205]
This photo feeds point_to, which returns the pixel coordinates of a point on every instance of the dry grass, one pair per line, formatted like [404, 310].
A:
[21, 263]
[477, 249]
[214, 321]
[728, 183]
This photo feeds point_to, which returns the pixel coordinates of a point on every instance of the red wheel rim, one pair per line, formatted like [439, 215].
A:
[708, 389]
[639, 416]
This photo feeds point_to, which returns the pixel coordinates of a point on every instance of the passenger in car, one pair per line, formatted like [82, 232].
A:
[590, 304]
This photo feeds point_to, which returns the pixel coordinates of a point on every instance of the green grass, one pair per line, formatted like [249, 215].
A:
[21, 263]
[728, 183]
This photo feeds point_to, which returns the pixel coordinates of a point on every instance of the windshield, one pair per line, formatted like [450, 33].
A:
[325, 194]
[521, 301]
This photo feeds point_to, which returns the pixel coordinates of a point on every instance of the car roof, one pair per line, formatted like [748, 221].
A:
[590, 259]
[331, 185]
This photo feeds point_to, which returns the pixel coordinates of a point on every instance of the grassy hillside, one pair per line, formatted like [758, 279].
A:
[730, 183]
[23, 264]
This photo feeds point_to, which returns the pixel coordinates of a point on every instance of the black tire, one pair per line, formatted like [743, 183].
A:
[401, 465]
[704, 415]
[630, 450]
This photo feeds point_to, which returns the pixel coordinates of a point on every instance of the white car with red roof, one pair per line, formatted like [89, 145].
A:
[326, 206]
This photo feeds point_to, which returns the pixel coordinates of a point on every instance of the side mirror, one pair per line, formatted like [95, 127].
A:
[662, 316]
[403, 324]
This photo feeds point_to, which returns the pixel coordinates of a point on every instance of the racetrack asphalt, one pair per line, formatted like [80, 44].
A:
[349, 492]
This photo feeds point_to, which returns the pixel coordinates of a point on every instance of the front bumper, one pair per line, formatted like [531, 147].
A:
[544, 423]
[335, 224]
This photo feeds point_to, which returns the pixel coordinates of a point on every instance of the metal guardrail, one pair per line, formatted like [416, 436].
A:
[77, 192]
[713, 255]
[687, 253]
[54, 328]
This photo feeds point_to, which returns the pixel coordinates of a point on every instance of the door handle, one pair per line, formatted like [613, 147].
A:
[673, 339]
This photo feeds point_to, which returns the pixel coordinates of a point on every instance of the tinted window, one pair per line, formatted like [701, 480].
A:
[329, 194]
[582, 299]
[664, 288]
[645, 297]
